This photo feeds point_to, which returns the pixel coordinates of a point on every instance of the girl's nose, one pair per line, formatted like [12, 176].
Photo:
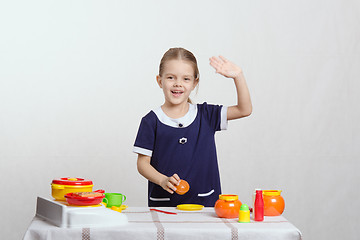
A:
[177, 83]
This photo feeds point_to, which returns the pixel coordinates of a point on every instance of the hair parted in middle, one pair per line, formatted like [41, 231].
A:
[179, 54]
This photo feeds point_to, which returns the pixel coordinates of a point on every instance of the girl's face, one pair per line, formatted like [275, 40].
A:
[177, 81]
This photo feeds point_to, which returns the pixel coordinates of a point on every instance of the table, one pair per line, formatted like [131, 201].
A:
[146, 224]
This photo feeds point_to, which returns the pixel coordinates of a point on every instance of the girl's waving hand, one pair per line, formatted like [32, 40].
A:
[225, 67]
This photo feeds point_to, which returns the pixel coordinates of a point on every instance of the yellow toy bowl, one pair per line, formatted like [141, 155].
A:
[61, 187]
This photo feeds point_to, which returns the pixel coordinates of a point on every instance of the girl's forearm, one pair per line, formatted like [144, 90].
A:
[244, 106]
[148, 171]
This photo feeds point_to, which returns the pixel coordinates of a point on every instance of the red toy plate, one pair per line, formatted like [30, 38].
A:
[84, 201]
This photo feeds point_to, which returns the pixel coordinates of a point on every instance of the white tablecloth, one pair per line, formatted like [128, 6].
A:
[146, 224]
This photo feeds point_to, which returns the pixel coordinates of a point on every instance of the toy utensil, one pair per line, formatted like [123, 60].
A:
[166, 212]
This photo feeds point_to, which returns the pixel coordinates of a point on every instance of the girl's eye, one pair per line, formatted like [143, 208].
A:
[170, 77]
[187, 79]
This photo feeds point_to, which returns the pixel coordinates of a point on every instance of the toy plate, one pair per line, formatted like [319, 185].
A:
[190, 207]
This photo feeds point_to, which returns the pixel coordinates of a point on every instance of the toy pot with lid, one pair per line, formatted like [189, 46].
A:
[227, 206]
[62, 186]
[274, 203]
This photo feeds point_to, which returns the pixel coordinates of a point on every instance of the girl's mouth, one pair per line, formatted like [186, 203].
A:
[177, 93]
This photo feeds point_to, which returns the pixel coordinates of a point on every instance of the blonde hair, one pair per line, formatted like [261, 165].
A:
[180, 54]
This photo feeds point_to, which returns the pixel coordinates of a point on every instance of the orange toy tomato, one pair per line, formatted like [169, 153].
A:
[227, 206]
[274, 203]
[183, 187]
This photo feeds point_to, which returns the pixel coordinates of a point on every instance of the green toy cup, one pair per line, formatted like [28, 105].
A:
[114, 199]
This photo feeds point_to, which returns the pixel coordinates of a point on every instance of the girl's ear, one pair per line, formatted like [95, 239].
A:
[196, 82]
[158, 79]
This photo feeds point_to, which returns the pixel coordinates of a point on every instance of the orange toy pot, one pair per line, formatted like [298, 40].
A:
[227, 206]
[274, 203]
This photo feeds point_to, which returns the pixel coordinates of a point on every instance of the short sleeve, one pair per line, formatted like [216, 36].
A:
[145, 139]
[216, 116]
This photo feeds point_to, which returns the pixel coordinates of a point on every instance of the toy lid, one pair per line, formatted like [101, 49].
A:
[244, 207]
[228, 197]
[72, 181]
[271, 192]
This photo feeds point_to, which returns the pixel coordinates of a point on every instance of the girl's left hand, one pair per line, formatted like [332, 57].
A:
[225, 67]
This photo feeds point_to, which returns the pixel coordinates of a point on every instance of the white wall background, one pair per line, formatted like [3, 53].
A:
[77, 76]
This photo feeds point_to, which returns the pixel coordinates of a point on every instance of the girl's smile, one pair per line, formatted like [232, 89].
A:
[177, 93]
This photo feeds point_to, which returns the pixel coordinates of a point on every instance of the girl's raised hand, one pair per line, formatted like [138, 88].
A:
[169, 183]
[225, 67]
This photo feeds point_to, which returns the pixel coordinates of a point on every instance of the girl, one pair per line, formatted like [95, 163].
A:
[177, 141]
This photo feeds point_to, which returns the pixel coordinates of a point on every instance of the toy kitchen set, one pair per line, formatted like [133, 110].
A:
[75, 204]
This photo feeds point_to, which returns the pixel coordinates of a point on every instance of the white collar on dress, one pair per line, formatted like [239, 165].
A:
[178, 122]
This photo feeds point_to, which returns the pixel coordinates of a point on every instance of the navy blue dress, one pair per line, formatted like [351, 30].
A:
[185, 146]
